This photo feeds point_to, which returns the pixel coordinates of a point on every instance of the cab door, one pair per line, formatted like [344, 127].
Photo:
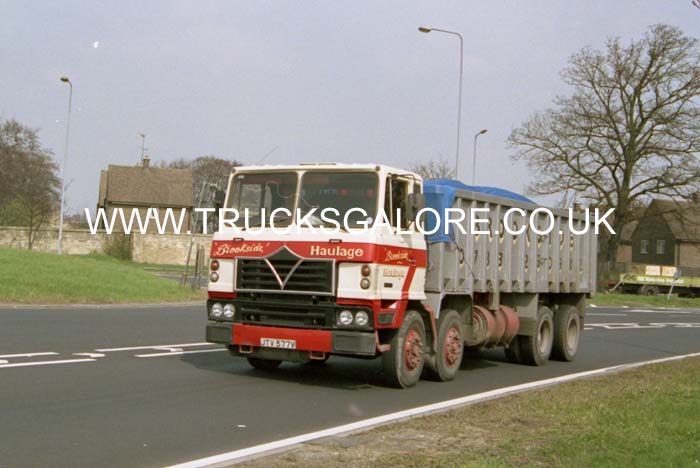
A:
[404, 265]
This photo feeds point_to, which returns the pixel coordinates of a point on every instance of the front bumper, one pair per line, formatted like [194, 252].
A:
[246, 338]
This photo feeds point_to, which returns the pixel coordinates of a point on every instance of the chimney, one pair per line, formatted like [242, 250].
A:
[146, 163]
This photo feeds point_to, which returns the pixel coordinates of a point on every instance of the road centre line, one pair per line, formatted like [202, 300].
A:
[237, 456]
[177, 353]
[45, 363]
[5, 356]
[136, 348]
[662, 311]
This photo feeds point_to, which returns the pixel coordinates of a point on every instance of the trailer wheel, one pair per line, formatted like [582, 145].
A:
[403, 363]
[264, 364]
[513, 353]
[567, 333]
[535, 350]
[450, 347]
[648, 290]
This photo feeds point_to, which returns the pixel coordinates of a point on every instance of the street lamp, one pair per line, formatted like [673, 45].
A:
[63, 167]
[474, 164]
[425, 29]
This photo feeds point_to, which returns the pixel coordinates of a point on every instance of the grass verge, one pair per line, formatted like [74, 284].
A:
[42, 278]
[644, 417]
[633, 300]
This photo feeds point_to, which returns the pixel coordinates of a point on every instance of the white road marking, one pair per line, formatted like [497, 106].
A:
[27, 355]
[45, 363]
[236, 456]
[662, 311]
[2, 361]
[636, 326]
[178, 353]
[679, 325]
[136, 348]
[91, 355]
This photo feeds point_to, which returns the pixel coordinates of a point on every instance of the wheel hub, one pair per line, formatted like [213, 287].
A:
[453, 347]
[413, 350]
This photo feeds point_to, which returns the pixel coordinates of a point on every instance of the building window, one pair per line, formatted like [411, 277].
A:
[644, 248]
[660, 246]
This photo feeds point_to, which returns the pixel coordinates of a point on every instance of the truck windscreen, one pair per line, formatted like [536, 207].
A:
[269, 190]
[341, 191]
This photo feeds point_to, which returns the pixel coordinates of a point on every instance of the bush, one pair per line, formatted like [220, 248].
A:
[118, 246]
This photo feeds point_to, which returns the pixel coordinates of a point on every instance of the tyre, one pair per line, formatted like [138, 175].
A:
[403, 363]
[648, 290]
[567, 333]
[535, 350]
[264, 364]
[450, 347]
[513, 353]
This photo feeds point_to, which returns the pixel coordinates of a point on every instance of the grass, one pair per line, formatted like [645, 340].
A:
[634, 300]
[42, 278]
[648, 417]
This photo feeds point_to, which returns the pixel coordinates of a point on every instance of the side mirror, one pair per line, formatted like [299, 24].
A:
[416, 202]
[219, 199]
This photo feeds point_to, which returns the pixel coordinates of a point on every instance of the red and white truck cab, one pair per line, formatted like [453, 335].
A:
[311, 292]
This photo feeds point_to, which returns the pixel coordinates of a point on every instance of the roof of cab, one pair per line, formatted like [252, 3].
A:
[321, 166]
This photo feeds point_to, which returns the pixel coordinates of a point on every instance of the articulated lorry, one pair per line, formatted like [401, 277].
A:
[414, 296]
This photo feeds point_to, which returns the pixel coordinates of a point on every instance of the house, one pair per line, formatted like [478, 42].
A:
[668, 234]
[142, 187]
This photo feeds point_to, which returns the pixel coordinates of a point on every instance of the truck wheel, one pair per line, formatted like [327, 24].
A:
[567, 333]
[513, 353]
[535, 350]
[450, 347]
[648, 290]
[264, 364]
[404, 362]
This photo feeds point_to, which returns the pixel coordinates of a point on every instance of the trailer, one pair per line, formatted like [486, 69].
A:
[408, 293]
[650, 280]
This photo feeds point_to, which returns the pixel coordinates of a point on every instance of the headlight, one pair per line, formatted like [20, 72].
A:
[214, 277]
[361, 318]
[229, 311]
[345, 318]
[365, 270]
[364, 284]
[216, 310]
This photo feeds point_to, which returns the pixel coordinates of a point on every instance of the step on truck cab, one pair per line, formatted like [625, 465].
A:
[353, 282]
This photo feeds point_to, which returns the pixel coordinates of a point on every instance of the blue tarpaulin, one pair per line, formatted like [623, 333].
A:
[440, 195]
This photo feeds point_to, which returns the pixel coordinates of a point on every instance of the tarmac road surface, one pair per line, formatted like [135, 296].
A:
[138, 386]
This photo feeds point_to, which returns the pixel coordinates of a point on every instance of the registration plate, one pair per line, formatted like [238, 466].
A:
[276, 343]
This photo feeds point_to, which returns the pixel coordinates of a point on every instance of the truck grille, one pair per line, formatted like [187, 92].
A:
[285, 272]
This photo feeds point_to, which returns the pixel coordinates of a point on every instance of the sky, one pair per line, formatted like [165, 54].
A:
[305, 81]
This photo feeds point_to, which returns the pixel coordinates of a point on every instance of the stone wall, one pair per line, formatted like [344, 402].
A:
[75, 241]
[167, 248]
[145, 248]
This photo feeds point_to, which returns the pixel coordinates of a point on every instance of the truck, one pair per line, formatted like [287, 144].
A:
[406, 293]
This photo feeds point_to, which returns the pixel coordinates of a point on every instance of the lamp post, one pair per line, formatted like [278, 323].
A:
[474, 163]
[63, 167]
[425, 29]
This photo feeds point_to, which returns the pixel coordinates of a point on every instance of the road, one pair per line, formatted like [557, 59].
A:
[85, 387]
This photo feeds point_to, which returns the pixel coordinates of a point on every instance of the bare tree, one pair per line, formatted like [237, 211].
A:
[629, 131]
[206, 170]
[433, 169]
[30, 188]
